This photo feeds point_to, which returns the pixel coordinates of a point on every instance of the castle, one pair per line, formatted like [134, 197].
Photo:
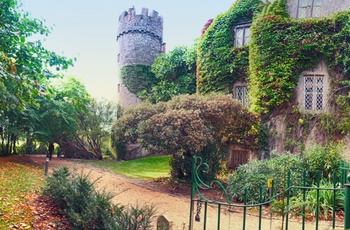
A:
[288, 62]
[140, 41]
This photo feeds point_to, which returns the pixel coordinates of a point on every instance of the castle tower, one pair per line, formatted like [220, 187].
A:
[140, 40]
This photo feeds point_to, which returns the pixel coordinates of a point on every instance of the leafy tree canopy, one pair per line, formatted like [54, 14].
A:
[23, 63]
[24, 68]
[175, 72]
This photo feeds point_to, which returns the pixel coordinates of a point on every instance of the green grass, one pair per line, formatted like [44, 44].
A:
[143, 168]
[18, 182]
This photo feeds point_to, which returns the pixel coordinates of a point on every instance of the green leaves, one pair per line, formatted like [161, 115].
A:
[187, 123]
[137, 77]
[175, 72]
[220, 64]
[281, 48]
[24, 68]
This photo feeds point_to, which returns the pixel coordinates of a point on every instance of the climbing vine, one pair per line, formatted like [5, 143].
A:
[282, 47]
[138, 77]
[219, 63]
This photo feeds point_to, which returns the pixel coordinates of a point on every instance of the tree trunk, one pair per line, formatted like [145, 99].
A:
[13, 140]
[77, 149]
[51, 149]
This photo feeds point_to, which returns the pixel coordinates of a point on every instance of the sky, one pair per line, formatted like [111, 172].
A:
[87, 29]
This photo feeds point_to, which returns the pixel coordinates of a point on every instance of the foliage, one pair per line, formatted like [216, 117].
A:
[325, 204]
[219, 63]
[256, 173]
[282, 47]
[125, 128]
[24, 68]
[17, 185]
[324, 159]
[96, 124]
[187, 124]
[175, 72]
[59, 119]
[263, 140]
[120, 149]
[206, 25]
[181, 165]
[137, 77]
[85, 207]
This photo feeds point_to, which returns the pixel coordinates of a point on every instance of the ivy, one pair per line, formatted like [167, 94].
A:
[219, 64]
[282, 47]
[138, 77]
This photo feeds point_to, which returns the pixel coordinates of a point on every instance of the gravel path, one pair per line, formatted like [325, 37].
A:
[174, 208]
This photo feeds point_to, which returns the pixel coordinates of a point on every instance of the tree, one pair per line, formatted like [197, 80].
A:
[188, 125]
[24, 66]
[97, 124]
[175, 72]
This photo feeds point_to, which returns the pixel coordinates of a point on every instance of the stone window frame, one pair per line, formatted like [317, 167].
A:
[312, 8]
[314, 92]
[319, 70]
[245, 39]
[241, 93]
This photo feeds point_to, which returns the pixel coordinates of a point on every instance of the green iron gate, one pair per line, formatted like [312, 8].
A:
[205, 211]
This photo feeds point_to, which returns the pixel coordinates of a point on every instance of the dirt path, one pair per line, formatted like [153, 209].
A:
[174, 207]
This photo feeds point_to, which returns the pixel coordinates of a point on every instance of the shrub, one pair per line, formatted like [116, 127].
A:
[186, 126]
[256, 173]
[86, 208]
[181, 165]
[325, 204]
[324, 159]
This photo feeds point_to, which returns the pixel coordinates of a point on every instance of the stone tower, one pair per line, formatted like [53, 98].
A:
[140, 41]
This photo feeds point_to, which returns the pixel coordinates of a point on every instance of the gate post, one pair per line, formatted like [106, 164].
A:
[190, 226]
[347, 207]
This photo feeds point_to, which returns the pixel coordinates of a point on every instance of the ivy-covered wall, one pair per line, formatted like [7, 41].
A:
[138, 77]
[280, 49]
[219, 63]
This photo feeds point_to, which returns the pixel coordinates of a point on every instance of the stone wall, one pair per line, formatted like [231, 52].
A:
[140, 41]
[138, 48]
[128, 99]
[279, 124]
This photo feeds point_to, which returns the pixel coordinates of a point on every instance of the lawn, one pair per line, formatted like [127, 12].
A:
[143, 168]
[18, 183]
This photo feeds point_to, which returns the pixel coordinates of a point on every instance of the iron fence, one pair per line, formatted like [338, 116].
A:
[262, 215]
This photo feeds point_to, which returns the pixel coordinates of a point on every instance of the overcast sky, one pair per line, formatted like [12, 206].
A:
[86, 29]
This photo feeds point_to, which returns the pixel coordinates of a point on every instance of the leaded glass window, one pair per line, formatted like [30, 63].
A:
[241, 94]
[242, 35]
[309, 8]
[313, 89]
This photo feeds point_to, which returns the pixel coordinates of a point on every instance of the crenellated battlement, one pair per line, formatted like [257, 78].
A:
[130, 22]
[140, 41]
